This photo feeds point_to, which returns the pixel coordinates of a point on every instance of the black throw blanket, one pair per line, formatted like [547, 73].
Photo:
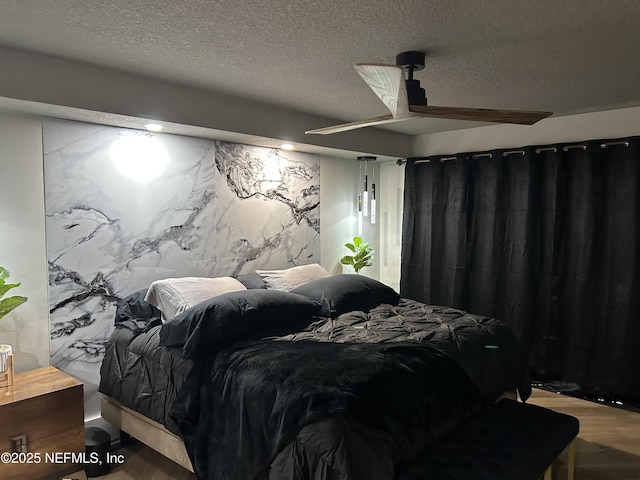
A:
[238, 409]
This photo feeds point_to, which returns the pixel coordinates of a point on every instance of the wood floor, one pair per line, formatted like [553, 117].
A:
[608, 445]
[142, 463]
[607, 448]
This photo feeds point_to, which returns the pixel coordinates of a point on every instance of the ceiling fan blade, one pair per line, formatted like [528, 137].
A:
[387, 82]
[354, 125]
[521, 117]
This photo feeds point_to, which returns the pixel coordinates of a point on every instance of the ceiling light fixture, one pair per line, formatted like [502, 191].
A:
[365, 189]
[359, 226]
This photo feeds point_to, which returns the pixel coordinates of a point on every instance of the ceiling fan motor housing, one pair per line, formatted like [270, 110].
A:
[415, 94]
[412, 62]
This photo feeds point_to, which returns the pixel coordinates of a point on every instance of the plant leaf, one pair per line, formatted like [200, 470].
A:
[362, 254]
[5, 287]
[10, 303]
[4, 273]
[347, 260]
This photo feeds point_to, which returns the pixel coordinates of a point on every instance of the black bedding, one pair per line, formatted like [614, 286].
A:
[253, 398]
[135, 370]
[350, 397]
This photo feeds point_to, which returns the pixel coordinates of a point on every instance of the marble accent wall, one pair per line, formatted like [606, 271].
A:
[119, 217]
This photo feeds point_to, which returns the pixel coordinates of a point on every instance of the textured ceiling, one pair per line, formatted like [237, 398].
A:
[565, 56]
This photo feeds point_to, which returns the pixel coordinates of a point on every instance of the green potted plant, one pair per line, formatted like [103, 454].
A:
[8, 304]
[362, 254]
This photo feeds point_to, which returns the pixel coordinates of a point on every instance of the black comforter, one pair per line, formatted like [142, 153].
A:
[352, 397]
[252, 400]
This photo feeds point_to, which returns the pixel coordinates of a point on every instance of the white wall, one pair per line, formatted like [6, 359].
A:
[339, 188]
[22, 238]
[390, 197]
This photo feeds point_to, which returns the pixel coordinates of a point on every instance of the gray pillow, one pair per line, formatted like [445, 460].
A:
[290, 278]
[252, 280]
[175, 295]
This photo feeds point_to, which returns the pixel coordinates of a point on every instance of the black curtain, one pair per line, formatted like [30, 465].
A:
[545, 239]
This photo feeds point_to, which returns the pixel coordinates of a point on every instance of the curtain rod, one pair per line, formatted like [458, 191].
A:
[428, 160]
[546, 149]
[566, 148]
[515, 152]
[611, 144]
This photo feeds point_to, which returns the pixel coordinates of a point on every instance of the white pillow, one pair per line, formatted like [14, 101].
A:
[174, 295]
[293, 277]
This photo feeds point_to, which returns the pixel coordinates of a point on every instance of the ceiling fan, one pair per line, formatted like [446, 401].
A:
[405, 99]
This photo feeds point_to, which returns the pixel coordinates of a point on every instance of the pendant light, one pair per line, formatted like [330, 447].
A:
[373, 203]
[365, 184]
[359, 215]
[367, 207]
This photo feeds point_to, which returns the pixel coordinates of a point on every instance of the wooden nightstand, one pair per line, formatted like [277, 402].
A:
[46, 407]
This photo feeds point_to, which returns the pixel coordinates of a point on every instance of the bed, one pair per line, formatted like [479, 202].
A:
[331, 378]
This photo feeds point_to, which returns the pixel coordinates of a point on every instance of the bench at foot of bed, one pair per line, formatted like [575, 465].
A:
[509, 441]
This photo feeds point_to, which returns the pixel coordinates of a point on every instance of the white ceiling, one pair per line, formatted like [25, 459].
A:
[565, 56]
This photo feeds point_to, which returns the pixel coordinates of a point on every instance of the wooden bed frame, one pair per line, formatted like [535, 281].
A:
[149, 432]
